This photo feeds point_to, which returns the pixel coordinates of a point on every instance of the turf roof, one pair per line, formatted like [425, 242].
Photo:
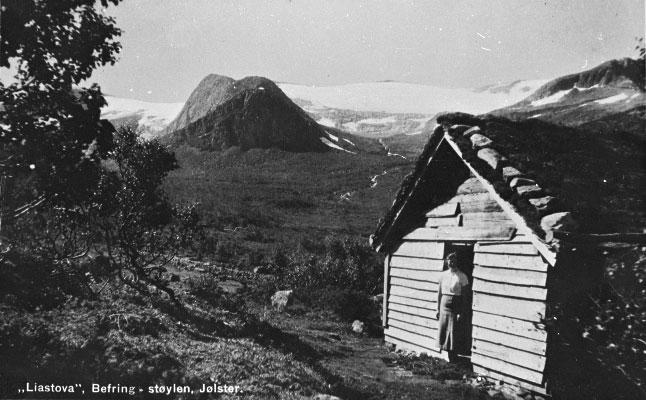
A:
[598, 177]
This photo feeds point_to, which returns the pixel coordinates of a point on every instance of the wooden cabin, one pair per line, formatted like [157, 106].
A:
[465, 197]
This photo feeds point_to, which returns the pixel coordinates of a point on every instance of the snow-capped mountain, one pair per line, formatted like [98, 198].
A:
[249, 113]
[376, 109]
[381, 109]
[612, 90]
[151, 118]
[409, 98]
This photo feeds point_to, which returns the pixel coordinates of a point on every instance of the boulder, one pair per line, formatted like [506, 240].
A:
[230, 286]
[518, 181]
[479, 141]
[492, 157]
[358, 327]
[529, 191]
[509, 173]
[559, 221]
[472, 131]
[545, 205]
[281, 299]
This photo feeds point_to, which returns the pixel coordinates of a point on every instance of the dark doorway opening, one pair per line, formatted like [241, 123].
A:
[465, 263]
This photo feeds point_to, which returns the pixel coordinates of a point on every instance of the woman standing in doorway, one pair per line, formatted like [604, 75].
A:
[453, 288]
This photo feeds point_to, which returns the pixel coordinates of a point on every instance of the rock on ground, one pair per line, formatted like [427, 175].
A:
[325, 397]
[231, 287]
[358, 327]
[281, 299]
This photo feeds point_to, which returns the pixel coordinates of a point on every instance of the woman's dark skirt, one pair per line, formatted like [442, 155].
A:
[450, 335]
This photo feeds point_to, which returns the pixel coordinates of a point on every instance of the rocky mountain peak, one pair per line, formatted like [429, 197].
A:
[250, 113]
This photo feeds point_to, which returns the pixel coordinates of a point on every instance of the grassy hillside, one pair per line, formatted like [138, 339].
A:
[256, 201]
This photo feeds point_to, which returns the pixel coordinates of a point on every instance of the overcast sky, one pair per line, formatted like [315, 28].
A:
[169, 46]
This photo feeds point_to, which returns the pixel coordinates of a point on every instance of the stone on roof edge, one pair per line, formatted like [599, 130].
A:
[556, 218]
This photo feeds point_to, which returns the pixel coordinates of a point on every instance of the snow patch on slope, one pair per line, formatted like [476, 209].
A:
[612, 99]
[335, 138]
[327, 142]
[556, 97]
[553, 98]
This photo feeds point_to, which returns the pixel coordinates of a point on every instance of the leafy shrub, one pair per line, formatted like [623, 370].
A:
[600, 332]
[340, 280]
[348, 263]
[137, 228]
[32, 282]
[346, 303]
[618, 331]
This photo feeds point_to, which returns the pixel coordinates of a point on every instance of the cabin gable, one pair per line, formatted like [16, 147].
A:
[509, 275]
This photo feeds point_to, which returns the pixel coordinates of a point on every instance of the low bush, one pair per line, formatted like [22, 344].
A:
[341, 279]
[618, 331]
[82, 343]
[32, 282]
[600, 333]
[346, 303]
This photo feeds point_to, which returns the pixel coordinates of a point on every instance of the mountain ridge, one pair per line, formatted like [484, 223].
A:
[625, 73]
[610, 92]
[250, 113]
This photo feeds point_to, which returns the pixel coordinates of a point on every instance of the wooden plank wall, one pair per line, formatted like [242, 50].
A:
[509, 301]
[412, 296]
[472, 214]
[509, 287]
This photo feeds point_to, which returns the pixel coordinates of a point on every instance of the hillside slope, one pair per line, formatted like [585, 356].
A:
[608, 91]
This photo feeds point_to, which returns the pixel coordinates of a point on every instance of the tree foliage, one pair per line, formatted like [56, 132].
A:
[51, 134]
[640, 48]
[136, 227]
[58, 42]
[71, 185]
[619, 326]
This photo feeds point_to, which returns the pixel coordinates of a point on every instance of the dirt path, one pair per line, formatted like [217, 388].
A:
[354, 367]
[362, 367]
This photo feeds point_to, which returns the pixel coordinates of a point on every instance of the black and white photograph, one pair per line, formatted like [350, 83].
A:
[323, 200]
